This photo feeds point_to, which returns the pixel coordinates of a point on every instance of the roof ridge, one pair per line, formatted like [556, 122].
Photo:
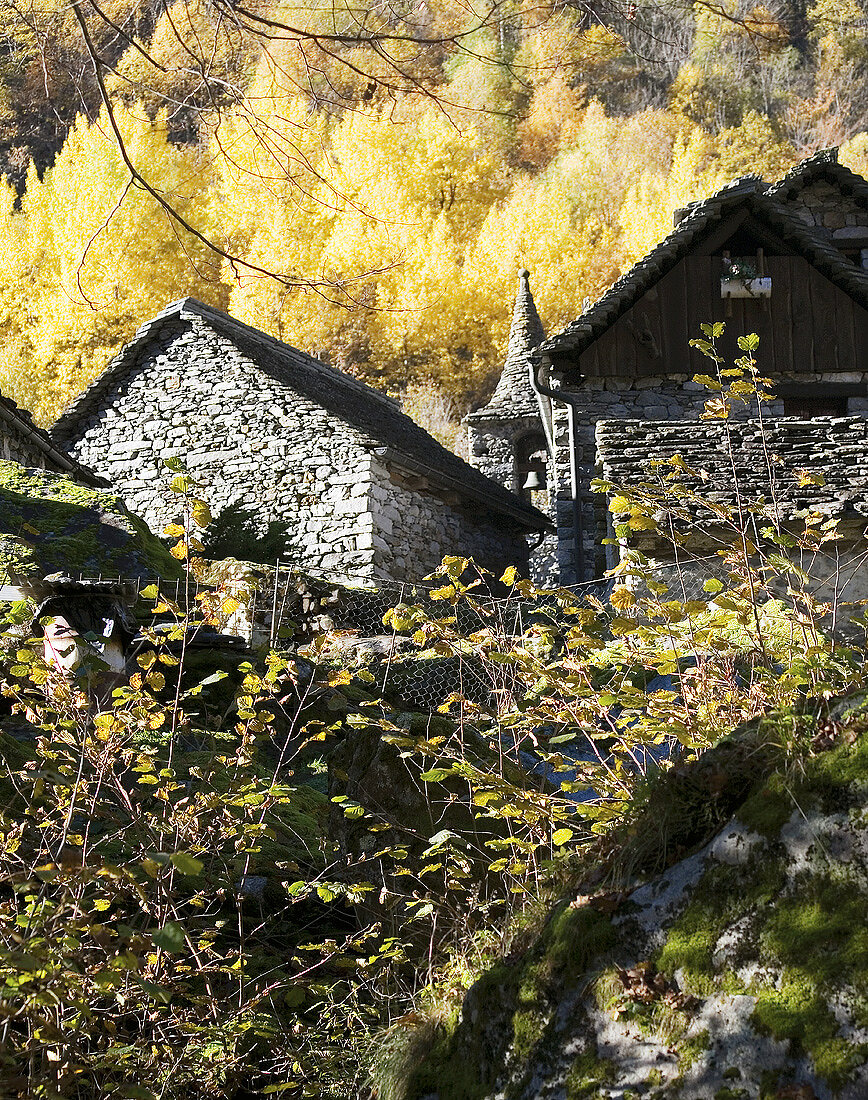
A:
[190, 306]
[823, 163]
[182, 309]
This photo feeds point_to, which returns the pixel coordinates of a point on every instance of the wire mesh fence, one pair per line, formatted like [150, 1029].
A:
[349, 624]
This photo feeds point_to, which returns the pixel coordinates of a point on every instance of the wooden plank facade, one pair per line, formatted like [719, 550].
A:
[808, 326]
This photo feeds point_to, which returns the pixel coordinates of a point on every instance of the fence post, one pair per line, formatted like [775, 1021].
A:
[274, 605]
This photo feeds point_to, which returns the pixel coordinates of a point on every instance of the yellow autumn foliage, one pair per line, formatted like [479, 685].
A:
[94, 257]
[392, 195]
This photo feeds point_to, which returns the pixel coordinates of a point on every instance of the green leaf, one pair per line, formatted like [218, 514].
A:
[441, 837]
[150, 592]
[174, 464]
[170, 937]
[186, 864]
[561, 836]
[749, 342]
[293, 997]
[436, 775]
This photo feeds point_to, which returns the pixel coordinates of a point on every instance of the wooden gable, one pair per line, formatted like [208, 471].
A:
[808, 325]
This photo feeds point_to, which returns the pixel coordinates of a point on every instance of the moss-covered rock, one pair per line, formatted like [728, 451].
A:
[740, 970]
[50, 523]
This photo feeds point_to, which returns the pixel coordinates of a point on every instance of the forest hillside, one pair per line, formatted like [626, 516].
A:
[364, 185]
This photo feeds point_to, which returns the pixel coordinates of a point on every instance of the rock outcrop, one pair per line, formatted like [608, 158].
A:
[738, 973]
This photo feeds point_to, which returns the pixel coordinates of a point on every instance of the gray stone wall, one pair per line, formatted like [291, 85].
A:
[492, 446]
[823, 206]
[766, 457]
[250, 445]
[677, 397]
[17, 446]
[413, 531]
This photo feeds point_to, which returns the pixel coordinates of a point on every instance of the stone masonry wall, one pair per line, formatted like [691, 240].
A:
[649, 399]
[823, 206]
[15, 446]
[835, 446]
[249, 442]
[493, 445]
[492, 448]
[414, 531]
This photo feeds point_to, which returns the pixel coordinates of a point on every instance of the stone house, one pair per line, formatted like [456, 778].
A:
[788, 262]
[23, 442]
[296, 459]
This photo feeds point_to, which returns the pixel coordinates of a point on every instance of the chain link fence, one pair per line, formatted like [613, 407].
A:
[348, 625]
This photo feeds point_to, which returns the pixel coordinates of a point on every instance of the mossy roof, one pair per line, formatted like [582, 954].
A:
[50, 523]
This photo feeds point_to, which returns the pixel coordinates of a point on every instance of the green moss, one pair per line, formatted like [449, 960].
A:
[529, 1019]
[446, 1072]
[769, 809]
[843, 772]
[589, 1076]
[528, 1026]
[455, 1068]
[798, 1012]
[575, 937]
[51, 523]
[821, 928]
[691, 1048]
[814, 937]
[723, 895]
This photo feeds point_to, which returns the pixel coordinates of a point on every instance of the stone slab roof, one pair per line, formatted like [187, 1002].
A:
[376, 416]
[821, 166]
[836, 447]
[20, 421]
[514, 396]
[749, 193]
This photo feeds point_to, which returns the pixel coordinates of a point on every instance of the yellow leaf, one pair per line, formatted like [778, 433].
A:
[156, 681]
[201, 513]
[622, 597]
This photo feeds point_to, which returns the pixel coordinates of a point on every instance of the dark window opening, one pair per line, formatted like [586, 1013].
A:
[808, 406]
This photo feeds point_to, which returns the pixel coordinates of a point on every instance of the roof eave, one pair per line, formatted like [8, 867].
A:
[525, 515]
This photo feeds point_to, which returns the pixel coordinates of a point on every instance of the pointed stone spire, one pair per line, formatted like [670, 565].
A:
[513, 395]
